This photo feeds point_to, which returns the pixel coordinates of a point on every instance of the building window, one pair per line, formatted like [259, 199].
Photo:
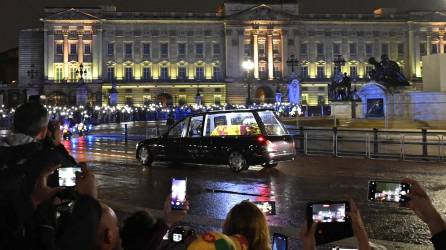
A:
[181, 49]
[262, 50]
[146, 73]
[276, 71]
[353, 71]
[320, 71]
[434, 48]
[276, 49]
[111, 49]
[182, 73]
[164, 73]
[146, 99]
[304, 72]
[199, 73]
[59, 73]
[59, 48]
[385, 49]
[146, 50]
[320, 50]
[87, 48]
[182, 99]
[247, 49]
[73, 49]
[128, 73]
[400, 50]
[336, 49]
[368, 50]
[164, 50]
[199, 50]
[111, 73]
[216, 49]
[128, 49]
[423, 51]
[217, 73]
[217, 99]
[368, 69]
[262, 71]
[353, 50]
[73, 73]
[304, 49]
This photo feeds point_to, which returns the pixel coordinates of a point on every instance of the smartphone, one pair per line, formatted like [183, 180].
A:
[328, 212]
[67, 176]
[388, 191]
[280, 242]
[178, 193]
[333, 222]
[267, 207]
[177, 235]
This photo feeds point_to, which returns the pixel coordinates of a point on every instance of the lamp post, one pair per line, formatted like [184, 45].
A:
[293, 62]
[248, 65]
[81, 72]
[338, 62]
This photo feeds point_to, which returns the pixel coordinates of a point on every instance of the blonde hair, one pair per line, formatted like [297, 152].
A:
[246, 219]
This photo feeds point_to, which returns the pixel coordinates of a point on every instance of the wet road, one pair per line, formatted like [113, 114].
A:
[123, 181]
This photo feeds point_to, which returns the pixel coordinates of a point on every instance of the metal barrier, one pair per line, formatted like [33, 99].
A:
[373, 143]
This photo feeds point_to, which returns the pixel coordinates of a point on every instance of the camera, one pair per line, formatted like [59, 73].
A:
[179, 234]
[388, 191]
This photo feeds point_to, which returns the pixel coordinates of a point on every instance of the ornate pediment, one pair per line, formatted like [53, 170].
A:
[261, 12]
[72, 14]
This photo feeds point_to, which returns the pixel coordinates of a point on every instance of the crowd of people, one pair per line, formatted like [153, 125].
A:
[152, 112]
[35, 213]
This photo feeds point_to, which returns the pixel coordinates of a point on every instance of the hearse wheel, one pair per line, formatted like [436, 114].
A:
[144, 156]
[237, 162]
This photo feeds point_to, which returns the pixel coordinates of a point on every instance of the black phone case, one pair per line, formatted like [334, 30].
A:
[329, 232]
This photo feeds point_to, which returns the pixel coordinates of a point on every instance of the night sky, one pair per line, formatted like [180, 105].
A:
[21, 14]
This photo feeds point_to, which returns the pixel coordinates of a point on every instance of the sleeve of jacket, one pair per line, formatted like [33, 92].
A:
[80, 231]
[439, 240]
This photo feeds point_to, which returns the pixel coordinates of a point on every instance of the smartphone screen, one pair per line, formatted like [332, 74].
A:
[178, 193]
[329, 212]
[280, 242]
[388, 191]
[267, 207]
[67, 176]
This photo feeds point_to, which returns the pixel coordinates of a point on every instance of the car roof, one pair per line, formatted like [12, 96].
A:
[231, 111]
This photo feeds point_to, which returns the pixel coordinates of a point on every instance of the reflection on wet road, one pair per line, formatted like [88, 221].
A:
[292, 184]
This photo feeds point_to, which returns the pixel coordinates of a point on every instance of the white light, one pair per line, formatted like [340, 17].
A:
[248, 65]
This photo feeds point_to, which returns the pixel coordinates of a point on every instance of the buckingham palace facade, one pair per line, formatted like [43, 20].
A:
[171, 57]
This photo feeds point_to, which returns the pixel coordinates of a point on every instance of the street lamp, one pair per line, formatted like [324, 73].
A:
[81, 72]
[248, 65]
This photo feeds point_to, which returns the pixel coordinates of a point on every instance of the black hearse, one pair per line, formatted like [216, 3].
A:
[238, 138]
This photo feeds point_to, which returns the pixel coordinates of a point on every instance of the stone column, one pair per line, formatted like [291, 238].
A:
[411, 53]
[284, 52]
[270, 57]
[441, 43]
[428, 44]
[65, 56]
[256, 55]
[241, 54]
[80, 49]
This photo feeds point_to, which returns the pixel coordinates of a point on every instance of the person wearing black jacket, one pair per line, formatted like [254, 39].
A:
[421, 204]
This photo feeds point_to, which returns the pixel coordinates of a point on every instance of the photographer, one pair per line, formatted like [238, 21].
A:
[421, 204]
[309, 242]
[141, 231]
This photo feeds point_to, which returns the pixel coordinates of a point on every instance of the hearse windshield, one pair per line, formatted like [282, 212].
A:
[272, 125]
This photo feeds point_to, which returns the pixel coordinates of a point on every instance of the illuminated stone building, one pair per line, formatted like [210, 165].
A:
[170, 57]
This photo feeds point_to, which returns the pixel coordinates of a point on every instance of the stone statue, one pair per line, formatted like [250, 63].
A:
[294, 92]
[387, 72]
[340, 88]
